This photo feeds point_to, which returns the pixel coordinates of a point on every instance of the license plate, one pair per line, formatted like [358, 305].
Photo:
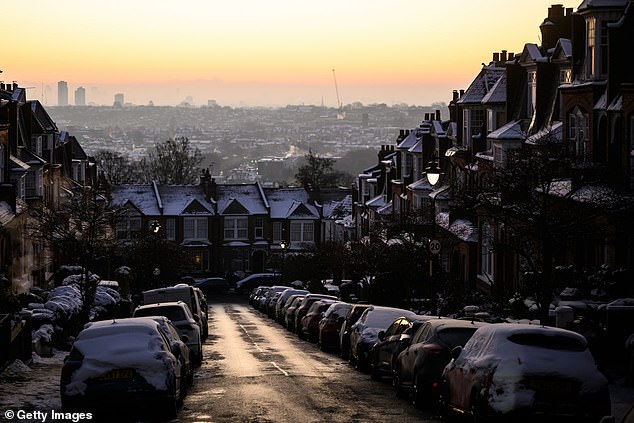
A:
[117, 374]
[554, 387]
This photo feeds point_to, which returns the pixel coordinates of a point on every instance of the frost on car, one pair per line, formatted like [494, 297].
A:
[526, 369]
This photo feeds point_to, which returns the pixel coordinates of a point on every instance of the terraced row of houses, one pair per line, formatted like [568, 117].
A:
[574, 90]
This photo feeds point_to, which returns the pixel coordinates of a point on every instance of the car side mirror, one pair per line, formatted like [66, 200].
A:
[381, 336]
[455, 352]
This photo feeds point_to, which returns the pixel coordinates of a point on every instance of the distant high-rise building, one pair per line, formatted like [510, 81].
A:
[62, 93]
[80, 96]
[118, 99]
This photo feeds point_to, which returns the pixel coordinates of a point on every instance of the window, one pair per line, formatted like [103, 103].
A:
[491, 115]
[578, 135]
[409, 164]
[466, 133]
[277, 231]
[195, 228]
[486, 255]
[236, 228]
[565, 76]
[603, 48]
[170, 229]
[590, 52]
[531, 98]
[302, 231]
[259, 227]
[129, 228]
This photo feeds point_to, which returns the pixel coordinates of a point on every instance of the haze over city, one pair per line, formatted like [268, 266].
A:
[254, 53]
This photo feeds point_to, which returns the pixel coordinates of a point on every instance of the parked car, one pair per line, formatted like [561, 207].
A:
[330, 324]
[281, 301]
[344, 332]
[190, 295]
[269, 299]
[418, 368]
[181, 317]
[364, 333]
[212, 286]
[309, 329]
[512, 370]
[289, 310]
[391, 342]
[301, 311]
[127, 364]
[182, 351]
[254, 295]
[254, 280]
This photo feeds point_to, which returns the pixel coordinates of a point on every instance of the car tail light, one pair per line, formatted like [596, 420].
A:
[432, 349]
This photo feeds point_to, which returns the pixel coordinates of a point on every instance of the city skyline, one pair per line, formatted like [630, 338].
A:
[248, 53]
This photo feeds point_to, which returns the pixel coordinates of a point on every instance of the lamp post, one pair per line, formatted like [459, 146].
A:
[433, 174]
[283, 246]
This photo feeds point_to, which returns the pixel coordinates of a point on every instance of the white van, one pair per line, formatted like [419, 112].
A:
[191, 296]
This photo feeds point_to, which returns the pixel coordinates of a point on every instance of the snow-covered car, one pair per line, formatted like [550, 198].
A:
[181, 351]
[180, 315]
[509, 371]
[127, 364]
[418, 368]
[254, 280]
[365, 332]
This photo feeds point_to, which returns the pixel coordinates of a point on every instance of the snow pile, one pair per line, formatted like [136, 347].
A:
[65, 301]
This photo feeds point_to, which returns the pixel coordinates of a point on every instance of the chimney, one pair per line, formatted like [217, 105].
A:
[569, 11]
[496, 58]
[455, 95]
[1, 85]
[555, 11]
[511, 56]
[426, 117]
[461, 93]
[503, 56]
[15, 86]
[438, 114]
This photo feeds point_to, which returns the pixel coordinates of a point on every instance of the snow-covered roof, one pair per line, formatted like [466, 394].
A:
[288, 203]
[552, 133]
[140, 196]
[409, 141]
[514, 130]
[462, 228]
[589, 4]
[249, 196]
[338, 209]
[421, 185]
[532, 52]
[376, 202]
[481, 85]
[6, 213]
[175, 200]
[497, 93]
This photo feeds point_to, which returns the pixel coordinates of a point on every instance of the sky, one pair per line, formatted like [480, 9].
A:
[260, 53]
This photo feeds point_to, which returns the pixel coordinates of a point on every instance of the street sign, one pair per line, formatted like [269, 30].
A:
[434, 246]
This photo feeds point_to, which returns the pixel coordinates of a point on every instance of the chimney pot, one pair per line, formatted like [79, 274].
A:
[461, 93]
[503, 56]
[438, 114]
[496, 57]
[455, 95]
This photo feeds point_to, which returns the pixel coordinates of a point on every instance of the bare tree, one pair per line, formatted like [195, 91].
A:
[175, 161]
[78, 231]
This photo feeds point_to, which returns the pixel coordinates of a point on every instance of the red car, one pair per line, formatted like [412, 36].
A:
[330, 325]
[309, 329]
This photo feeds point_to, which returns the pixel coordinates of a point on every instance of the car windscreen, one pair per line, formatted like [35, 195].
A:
[173, 313]
[453, 337]
[550, 341]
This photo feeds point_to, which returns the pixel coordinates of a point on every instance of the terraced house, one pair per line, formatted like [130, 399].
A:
[567, 99]
[228, 227]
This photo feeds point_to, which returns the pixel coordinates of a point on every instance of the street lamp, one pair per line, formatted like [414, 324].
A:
[283, 246]
[433, 173]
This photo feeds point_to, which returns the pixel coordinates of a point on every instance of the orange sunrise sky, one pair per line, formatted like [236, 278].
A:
[260, 53]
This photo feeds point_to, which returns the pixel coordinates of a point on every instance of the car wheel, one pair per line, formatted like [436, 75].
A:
[396, 383]
[375, 373]
[419, 394]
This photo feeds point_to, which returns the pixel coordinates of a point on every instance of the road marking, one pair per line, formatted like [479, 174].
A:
[284, 372]
[249, 336]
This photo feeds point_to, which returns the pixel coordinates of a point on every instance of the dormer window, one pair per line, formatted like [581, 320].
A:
[578, 133]
[565, 76]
